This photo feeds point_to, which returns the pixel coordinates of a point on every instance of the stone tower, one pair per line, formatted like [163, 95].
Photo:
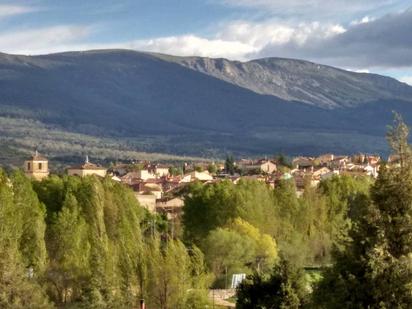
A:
[37, 167]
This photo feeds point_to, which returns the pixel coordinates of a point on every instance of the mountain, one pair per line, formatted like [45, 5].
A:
[303, 81]
[120, 100]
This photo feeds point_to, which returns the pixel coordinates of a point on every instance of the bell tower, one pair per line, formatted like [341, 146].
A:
[37, 167]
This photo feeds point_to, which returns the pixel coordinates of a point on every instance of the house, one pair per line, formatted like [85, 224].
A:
[267, 166]
[37, 167]
[324, 159]
[319, 173]
[200, 176]
[338, 162]
[329, 174]
[373, 160]
[250, 177]
[120, 169]
[145, 174]
[86, 169]
[161, 170]
[153, 188]
[172, 207]
[371, 170]
[130, 178]
[146, 200]
[303, 162]
[260, 166]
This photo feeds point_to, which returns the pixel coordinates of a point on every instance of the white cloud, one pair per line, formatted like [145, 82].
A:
[308, 7]
[238, 40]
[191, 45]
[11, 10]
[43, 40]
[259, 35]
[406, 79]
[364, 20]
[357, 70]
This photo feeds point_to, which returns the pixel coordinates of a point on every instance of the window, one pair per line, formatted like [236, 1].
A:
[40, 166]
[28, 166]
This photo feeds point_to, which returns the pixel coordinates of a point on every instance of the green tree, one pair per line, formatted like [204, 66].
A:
[69, 251]
[285, 288]
[171, 282]
[212, 168]
[208, 207]
[19, 269]
[230, 166]
[374, 269]
[228, 252]
[31, 214]
[264, 246]
[94, 242]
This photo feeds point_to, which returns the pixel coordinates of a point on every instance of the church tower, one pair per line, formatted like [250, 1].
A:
[37, 167]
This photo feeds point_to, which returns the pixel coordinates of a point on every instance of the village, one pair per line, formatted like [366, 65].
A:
[158, 187]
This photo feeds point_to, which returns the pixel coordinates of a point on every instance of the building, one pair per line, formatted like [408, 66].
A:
[260, 166]
[303, 162]
[86, 169]
[161, 170]
[37, 167]
[172, 207]
[267, 166]
[146, 200]
[197, 176]
[325, 159]
[145, 174]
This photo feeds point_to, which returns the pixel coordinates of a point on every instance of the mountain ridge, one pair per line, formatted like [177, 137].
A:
[197, 106]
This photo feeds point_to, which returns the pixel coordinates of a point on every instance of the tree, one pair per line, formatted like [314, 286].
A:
[230, 166]
[171, 282]
[31, 214]
[94, 242]
[175, 171]
[283, 160]
[19, 269]
[212, 168]
[228, 252]
[208, 207]
[285, 288]
[69, 250]
[264, 248]
[375, 268]
[397, 137]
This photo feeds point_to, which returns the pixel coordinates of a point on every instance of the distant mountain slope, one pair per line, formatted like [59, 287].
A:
[302, 81]
[200, 106]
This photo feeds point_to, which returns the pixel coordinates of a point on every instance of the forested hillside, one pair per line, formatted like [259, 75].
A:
[142, 102]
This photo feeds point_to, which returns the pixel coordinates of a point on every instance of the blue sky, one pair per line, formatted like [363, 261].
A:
[361, 35]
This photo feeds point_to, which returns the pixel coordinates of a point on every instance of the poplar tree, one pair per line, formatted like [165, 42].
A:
[19, 287]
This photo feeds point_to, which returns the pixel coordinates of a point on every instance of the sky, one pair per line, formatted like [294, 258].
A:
[360, 35]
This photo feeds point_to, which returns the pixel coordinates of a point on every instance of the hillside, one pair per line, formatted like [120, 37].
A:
[303, 81]
[194, 106]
